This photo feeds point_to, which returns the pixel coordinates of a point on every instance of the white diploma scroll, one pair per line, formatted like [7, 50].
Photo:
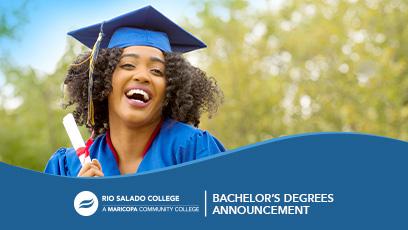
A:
[75, 136]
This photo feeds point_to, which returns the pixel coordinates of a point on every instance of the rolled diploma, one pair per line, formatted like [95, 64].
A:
[75, 136]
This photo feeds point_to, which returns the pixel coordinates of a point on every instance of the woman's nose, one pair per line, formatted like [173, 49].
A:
[142, 76]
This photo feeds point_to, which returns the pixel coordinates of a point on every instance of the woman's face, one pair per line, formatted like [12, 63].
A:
[139, 87]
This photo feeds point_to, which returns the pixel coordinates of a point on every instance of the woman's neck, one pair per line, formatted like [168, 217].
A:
[130, 141]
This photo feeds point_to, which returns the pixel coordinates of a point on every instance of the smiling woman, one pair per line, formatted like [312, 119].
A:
[139, 96]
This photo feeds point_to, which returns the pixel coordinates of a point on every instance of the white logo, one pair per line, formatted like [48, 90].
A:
[86, 203]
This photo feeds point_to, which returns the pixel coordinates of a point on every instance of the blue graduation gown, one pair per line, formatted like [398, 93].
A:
[174, 143]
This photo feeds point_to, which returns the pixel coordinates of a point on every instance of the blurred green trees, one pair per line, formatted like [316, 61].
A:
[289, 68]
[311, 66]
[30, 133]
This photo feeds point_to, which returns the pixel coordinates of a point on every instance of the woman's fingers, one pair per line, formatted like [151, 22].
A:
[93, 169]
[96, 163]
[84, 168]
[93, 172]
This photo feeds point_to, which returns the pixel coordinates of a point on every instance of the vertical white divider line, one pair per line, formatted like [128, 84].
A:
[205, 203]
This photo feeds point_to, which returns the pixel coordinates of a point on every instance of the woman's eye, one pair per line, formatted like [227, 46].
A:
[127, 66]
[157, 72]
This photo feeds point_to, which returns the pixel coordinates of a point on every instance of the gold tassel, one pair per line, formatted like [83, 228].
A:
[93, 57]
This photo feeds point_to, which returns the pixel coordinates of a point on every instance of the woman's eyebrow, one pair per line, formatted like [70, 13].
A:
[153, 59]
[156, 59]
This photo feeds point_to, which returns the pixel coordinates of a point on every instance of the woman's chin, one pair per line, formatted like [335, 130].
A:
[138, 118]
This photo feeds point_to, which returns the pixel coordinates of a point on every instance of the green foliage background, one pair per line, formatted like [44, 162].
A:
[311, 66]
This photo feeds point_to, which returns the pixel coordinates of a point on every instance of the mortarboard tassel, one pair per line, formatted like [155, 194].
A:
[93, 57]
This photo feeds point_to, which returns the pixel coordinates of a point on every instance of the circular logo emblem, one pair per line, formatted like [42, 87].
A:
[86, 203]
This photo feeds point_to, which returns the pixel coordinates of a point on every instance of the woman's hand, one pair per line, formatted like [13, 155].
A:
[93, 169]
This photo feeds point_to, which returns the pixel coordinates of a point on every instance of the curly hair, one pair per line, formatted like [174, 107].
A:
[189, 91]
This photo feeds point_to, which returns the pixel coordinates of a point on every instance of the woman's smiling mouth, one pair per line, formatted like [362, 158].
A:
[138, 96]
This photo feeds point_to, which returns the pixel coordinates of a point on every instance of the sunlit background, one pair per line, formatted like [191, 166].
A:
[286, 67]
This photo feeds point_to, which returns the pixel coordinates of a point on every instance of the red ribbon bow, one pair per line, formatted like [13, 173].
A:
[85, 150]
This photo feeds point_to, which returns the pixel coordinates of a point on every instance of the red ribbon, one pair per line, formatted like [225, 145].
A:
[85, 150]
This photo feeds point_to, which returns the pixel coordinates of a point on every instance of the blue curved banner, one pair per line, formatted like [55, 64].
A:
[311, 181]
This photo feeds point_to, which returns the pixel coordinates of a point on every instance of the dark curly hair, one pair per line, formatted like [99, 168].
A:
[189, 91]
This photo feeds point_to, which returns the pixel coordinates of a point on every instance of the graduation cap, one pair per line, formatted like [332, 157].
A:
[142, 27]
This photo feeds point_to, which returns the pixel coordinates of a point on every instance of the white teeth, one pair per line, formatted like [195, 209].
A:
[138, 91]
